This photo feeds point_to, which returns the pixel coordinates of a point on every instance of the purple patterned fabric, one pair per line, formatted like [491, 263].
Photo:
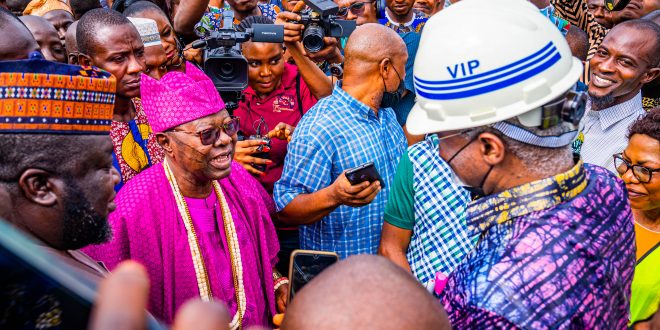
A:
[556, 253]
[147, 228]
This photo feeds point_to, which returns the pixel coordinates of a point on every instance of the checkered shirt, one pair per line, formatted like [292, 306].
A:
[337, 134]
[440, 237]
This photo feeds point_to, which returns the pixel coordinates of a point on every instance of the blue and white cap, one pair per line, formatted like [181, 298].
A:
[481, 62]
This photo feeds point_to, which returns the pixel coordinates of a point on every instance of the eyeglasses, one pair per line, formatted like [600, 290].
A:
[356, 9]
[642, 173]
[210, 135]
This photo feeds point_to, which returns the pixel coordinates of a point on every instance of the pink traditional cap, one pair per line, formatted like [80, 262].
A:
[178, 98]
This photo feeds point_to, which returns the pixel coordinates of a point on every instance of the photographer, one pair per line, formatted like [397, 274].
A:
[278, 95]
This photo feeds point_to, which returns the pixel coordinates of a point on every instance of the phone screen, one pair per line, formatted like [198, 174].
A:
[305, 266]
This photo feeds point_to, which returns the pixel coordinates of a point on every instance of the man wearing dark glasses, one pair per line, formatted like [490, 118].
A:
[198, 221]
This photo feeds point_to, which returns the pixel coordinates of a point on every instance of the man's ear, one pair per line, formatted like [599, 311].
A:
[492, 148]
[38, 187]
[384, 66]
[650, 75]
[84, 60]
[73, 58]
[165, 142]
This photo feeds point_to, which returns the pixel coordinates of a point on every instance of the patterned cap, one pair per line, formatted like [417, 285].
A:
[148, 31]
[41, 7]
[38, 96]
[179, 98]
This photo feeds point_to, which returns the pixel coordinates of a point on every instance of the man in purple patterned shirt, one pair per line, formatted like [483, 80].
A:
[556, 242]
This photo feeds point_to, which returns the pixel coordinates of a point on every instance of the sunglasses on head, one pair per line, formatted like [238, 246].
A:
[356, 9]
[210, 135]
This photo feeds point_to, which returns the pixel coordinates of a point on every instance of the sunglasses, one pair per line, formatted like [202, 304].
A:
[211, 135]
[642, 173]
[356, 9]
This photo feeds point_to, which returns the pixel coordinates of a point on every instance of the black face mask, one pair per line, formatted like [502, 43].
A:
[391, 99]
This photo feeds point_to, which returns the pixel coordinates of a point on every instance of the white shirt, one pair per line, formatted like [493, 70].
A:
[605, 132]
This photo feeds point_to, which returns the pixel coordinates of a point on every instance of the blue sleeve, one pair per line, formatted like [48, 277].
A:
[307, 168]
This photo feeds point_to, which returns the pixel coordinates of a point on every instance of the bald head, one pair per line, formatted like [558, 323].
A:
[46, 36]
[71, 43]
[21, 43]
[373, 42]
[365, 292]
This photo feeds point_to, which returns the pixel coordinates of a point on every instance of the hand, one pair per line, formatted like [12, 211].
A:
[122, 299]
[281, 296]
[292, 31]
[243, 154]
[354, 195]
[193, 55]
[282, 131]
[330, 52]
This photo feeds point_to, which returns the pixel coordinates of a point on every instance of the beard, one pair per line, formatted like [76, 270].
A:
[601, 102]
[82, 225]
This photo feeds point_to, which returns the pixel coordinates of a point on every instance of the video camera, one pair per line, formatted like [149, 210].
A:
[322, 22]
[224, 62]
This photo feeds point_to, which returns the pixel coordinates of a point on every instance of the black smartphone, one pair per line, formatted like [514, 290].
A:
[364, 172]
[305, 265]
[39, 291]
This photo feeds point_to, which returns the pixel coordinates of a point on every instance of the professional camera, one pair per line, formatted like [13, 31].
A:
[224, 62]
[322, 22]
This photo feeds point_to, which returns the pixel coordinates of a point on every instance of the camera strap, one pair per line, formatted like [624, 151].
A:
[298, 98]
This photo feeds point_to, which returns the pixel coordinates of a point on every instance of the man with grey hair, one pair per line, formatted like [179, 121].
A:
[555, 236]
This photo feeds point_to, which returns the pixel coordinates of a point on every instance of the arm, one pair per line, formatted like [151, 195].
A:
[399, 215]
[306, 209]
[187, 15]
[394, 243]
[319, 84]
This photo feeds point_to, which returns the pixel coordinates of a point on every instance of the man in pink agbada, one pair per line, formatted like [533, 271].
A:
[198, 221]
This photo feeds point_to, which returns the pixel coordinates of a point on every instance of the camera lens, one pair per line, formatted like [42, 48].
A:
[313, 38]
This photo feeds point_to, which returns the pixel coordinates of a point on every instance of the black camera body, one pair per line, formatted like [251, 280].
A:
[322, 22]
[224, 62]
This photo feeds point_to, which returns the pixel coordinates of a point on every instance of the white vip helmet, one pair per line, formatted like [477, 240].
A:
[484, 61]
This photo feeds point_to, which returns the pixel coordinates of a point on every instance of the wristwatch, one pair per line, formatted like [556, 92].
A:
[337, 70]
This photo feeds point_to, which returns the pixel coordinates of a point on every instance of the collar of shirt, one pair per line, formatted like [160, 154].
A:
[360, 109]
[524, 199]
[614, 114]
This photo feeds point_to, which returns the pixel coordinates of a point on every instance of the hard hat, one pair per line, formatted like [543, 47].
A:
[484, 61]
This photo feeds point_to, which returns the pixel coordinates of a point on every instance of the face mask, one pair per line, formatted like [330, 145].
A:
[391, 99]
[475, 192]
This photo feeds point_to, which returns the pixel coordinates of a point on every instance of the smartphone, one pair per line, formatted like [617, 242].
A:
[305, 265]
[38, 290]
[364, 172]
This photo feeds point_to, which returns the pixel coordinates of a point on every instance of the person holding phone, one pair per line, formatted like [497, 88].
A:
[353, 126]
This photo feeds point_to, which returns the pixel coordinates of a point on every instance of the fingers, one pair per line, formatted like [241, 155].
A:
[199, 315]
[299, 7]
[374, 187]
[249, 143]
[288, 16]
[355, 189]
[252, 170]
[122, 299]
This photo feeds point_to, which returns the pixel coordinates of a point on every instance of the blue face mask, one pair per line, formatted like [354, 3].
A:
[391, 99]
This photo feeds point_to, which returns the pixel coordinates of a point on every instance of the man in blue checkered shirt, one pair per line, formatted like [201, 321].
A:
[353, 126]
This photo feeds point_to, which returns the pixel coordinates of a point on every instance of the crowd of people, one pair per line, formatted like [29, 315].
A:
[517, 145]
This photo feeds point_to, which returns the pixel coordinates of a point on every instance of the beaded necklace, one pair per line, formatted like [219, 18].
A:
[198, 262]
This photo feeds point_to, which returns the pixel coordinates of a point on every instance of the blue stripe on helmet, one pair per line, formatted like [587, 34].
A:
[515, 70]
[492, 72]
[493, 87]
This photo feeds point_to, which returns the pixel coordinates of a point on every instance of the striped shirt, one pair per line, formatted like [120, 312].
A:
[337, 134]
[605, 132]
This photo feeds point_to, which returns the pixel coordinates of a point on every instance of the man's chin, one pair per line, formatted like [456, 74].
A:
[601, 101]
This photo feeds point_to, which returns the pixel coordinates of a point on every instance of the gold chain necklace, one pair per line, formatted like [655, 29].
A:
[195, 251]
